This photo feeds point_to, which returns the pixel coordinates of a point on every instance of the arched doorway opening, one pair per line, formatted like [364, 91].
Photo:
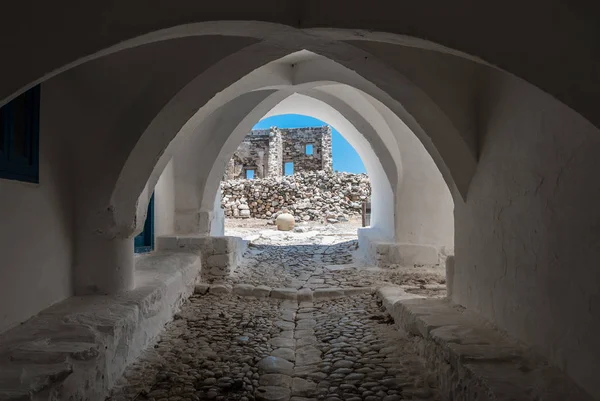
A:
[304, 166]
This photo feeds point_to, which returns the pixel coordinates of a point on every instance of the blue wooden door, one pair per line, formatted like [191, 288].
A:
[144, 242]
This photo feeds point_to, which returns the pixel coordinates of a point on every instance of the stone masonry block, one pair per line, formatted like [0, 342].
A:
[220, 289]
[223, 261]
[219, 271]
[244, 290]
[305, 295]
[261, 291]
[201, 288]
[223, 245]
[332, 292]
[284, 293]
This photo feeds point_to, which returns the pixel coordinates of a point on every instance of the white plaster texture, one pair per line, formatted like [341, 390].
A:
[220, 255]
[36, 233]
[79, 348]
[473, 361]
[526, 237]
[164, 202]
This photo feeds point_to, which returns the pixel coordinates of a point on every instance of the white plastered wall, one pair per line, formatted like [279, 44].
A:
[424, 204]
[36, 233]
[527, 237]
[164, 202]
[196, 157]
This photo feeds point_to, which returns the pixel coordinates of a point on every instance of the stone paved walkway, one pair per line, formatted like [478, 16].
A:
[223, 347]
[321, 266]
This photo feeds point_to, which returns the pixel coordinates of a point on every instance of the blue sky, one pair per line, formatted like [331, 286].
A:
[345, 157]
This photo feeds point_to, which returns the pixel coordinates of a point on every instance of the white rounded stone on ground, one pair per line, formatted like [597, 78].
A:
[285, 222]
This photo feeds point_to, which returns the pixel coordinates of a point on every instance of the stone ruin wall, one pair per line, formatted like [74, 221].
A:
[308, 195]
[252, 153]
[275, 163]
[267, 151]
[294, 148]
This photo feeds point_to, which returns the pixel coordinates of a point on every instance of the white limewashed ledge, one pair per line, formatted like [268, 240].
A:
[78, 348]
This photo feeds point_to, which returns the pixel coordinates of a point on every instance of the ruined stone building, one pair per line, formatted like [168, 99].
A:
[276, 151]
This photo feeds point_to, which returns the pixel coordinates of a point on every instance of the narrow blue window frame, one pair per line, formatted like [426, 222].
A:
[250, 173]
[13, 166]
[309, 149]
[144, 241]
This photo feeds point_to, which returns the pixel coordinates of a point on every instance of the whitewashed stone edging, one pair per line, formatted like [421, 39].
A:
[81, 333]
[291, 294]
[472, 361]
[220, 254]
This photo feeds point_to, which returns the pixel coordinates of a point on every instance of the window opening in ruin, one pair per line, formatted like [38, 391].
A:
[250, 173]
[309, 149]
[288, 168]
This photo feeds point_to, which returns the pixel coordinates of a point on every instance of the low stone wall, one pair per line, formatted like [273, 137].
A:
[376, 248]
[78, 349]
[471, 360]
[220, 254]
[312, 195]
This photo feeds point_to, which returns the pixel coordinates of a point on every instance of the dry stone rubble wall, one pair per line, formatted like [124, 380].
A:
[308, 195]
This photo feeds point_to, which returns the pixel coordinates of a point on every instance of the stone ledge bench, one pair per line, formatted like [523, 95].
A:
[472, 360]
[78, 348]
[220, 254]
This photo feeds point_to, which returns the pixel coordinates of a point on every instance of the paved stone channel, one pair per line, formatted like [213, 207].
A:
[225, 347]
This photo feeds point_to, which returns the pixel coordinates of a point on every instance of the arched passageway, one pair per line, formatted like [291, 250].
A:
[519, 164]
[419, 223]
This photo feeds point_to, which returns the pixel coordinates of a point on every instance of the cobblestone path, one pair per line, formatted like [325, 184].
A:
[224, 347]
[321, 266]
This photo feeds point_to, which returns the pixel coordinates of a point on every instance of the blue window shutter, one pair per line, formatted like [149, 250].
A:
[20, 126]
